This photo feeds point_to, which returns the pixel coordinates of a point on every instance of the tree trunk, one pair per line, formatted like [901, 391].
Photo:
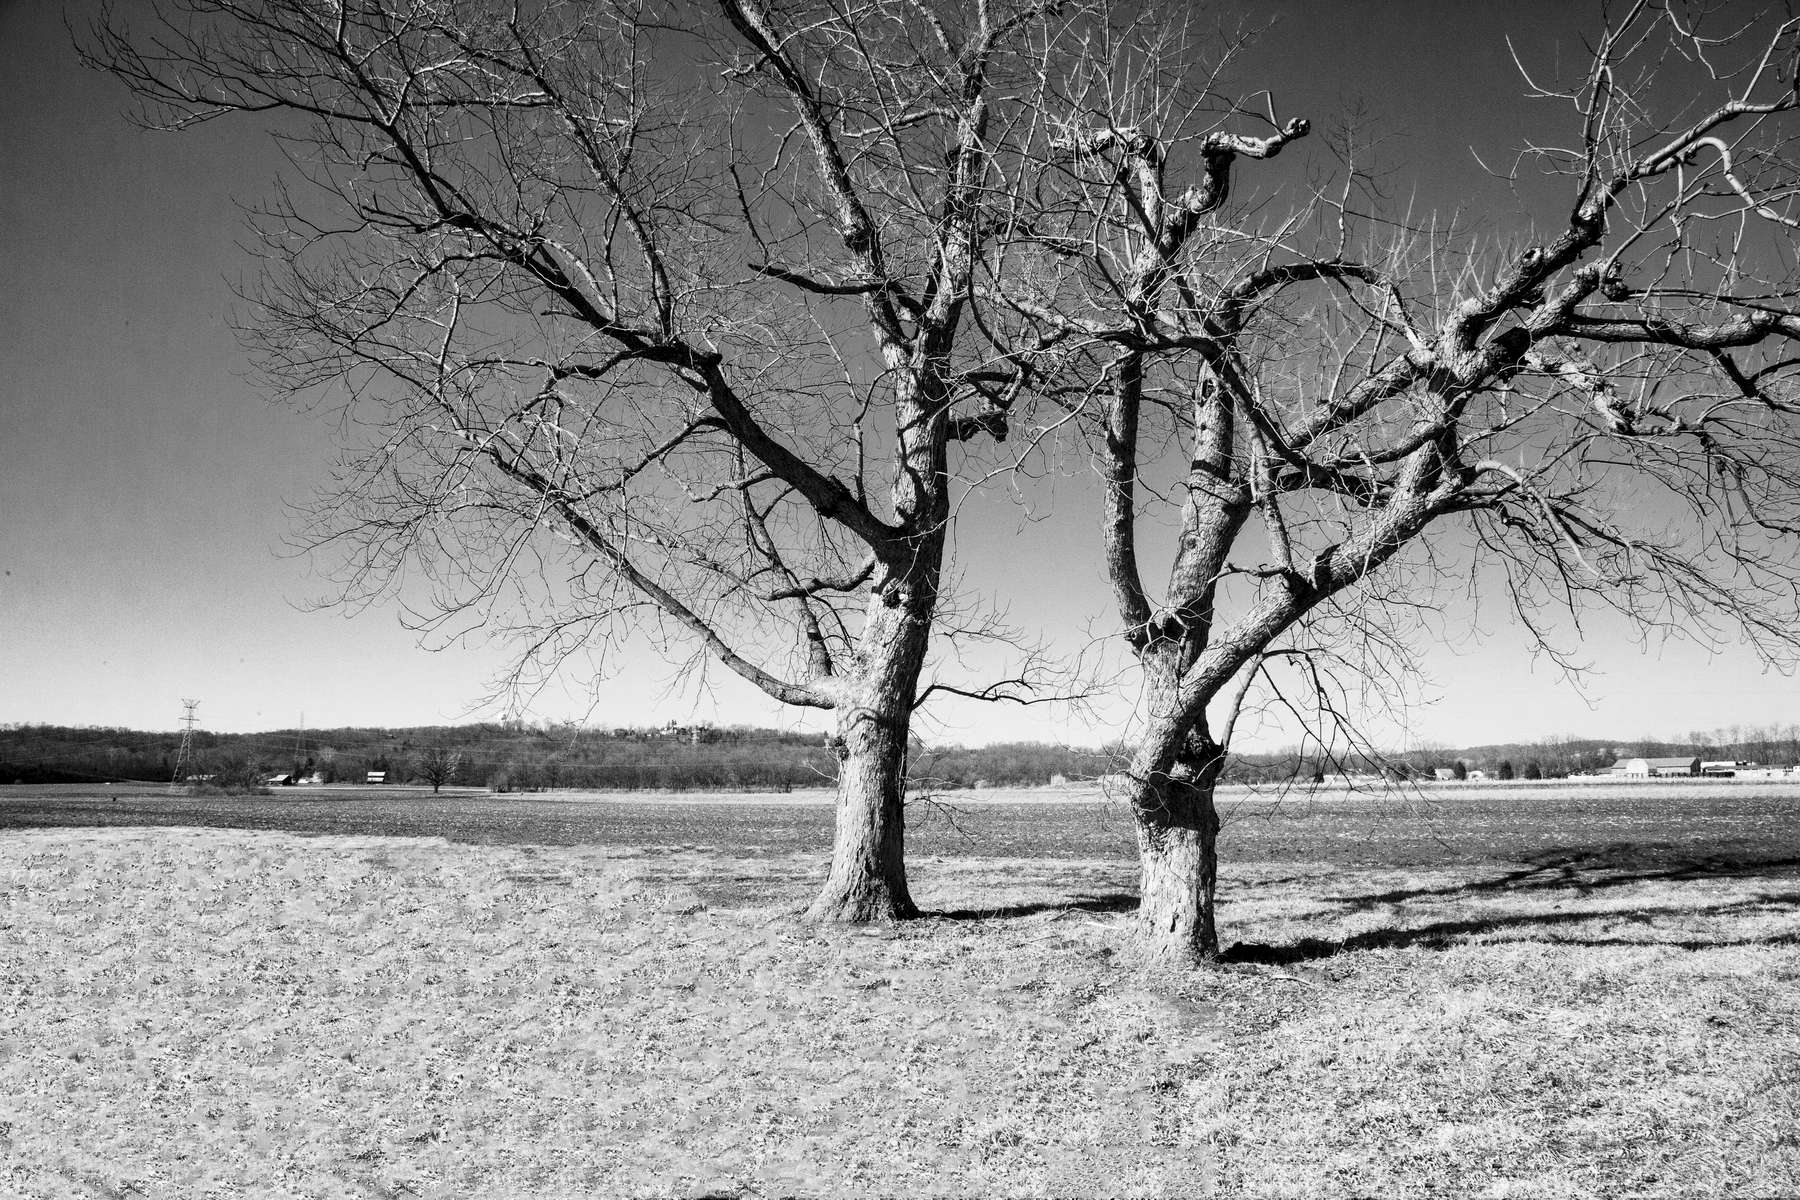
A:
[868, 858]
[1178, 830]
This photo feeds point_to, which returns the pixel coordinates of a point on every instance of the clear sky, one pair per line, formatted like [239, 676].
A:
[144, 484]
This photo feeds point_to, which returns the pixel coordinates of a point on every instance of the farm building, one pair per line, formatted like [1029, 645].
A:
[1651, 768]
[1725, 766]
[1756, 772]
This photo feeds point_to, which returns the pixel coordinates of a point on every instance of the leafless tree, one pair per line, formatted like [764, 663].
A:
[1334, 418]
[437, 764]
[640, 317]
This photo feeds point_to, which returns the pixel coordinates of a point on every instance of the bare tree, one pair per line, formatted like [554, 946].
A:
[437, 764]
[1337, 418]
[654, 317]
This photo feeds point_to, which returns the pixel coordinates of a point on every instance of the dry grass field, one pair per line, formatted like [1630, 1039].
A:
[190, 1013]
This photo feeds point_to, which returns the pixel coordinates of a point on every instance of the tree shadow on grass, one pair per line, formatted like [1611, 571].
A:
[1445, 935]
[1586, 870]
[1106, 902]
[1583, 871]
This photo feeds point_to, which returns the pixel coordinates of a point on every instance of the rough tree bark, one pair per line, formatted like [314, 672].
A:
[867, 881]
[1172, 778]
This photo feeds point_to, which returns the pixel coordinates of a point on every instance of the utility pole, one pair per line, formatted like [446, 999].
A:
[184, 757]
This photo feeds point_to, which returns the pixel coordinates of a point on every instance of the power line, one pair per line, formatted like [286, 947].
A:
[184, 757]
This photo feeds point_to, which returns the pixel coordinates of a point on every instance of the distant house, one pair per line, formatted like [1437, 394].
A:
[693, 734]
[377, 777]
[1654, 768]
[1444, 772]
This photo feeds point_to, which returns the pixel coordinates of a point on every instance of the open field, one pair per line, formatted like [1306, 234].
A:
[200, 1013]
[1497, 991]
[1504, 824]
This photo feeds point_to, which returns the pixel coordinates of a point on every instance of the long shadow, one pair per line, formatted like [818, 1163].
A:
[1584, 870]
[1589, 869]
[1108, 902]
[1442, 935]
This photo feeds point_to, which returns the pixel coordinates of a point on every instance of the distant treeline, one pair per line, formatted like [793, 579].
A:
[516, 756]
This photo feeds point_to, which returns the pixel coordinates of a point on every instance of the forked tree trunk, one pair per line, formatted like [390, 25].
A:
[1178, 831]
[868, 858]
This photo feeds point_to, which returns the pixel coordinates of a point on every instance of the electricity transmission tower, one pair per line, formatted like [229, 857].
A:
[184, 757]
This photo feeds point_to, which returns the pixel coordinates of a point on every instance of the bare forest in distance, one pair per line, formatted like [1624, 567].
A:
[516, 756]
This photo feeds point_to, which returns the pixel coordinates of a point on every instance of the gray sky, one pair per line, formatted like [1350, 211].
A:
[143, 483]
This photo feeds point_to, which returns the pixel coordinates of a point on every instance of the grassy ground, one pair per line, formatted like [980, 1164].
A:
[197, 1013]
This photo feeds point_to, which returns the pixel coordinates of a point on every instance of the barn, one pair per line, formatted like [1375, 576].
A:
[1653, 768]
